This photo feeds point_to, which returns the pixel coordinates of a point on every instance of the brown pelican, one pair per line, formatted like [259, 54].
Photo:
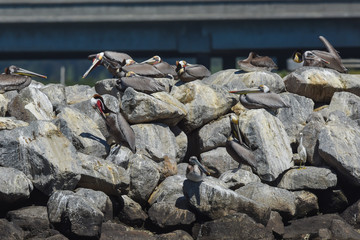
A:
[195, 170]
[15, 78]
[254, 62]
[317, 58]
[142, 69]
[302, 151]
[162, 66]
[190, 72]
[236, 148]
[260, 97]
[113, 61]
[140, 83]
[118, 127]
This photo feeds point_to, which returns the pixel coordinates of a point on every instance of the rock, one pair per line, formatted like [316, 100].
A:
[74, 214]
[234, 79]
[235, 226]
[275, 223]
[167, 214]
[43, 154]
[204, 103]
[182, 142]
[177, 234]
[267, 135]
[78, 93]
[55, 93]
[107, 86]
[100, 175]
[306, 203]
[181, 167]
[294, 118]
[14, 185]
[3, 105]
[155, 140]
[160, 107]
[82, 131]
[30, 105]
[218, 161]
[332, 201]
[338, 146]
[237, 178]
[346, 102]
[8, 123]
[98, 199]
[167, 168]
[214, 134]
[276, 199]
[120, 157]
[10, 232]
[317, 226]
[308, 178]
[352, 215]
[215, 201]
[144, 177]
[131, 212]
[119, 232]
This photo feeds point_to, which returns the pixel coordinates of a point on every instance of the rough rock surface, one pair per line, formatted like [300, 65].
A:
[14, 185]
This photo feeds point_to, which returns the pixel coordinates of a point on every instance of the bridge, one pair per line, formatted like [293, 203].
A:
[201, 29]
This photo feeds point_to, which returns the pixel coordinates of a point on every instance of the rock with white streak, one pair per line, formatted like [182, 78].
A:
[8, 123]
[14, 185]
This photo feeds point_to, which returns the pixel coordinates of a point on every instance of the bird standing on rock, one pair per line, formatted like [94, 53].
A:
[254, 62]
[260, 97]
[195, 170]
[119, 129]
[190, 72]
[164, 67]
[302, 151]
[15, 78]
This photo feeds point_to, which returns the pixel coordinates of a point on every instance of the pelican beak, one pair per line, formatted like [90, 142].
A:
[21, 71]
[246, 91]
[236, 129]
[150, 61]
[95, 63]
[201, 167]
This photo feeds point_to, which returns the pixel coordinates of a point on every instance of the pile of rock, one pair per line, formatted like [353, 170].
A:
[61, 180]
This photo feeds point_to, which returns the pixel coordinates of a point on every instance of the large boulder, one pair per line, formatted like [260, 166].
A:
[78, 93]
[346, 102]
[306, 203]
[14, 185]
[266, 135]
[237, 178]
[55, 93]
[131, 212]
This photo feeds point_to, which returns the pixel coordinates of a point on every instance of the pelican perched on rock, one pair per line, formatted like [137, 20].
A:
[119, 129]
[317, 58]
[162, 66]
[302, 151]
[15, 78]
[254, 62]
[112, 61]
[195, 171]
[140, 83]
[260, 97]
[236, 148]
[190, 72]
[142, 69]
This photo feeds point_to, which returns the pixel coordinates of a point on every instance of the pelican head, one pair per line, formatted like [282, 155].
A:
[193, 161]
[261, 88]
[298, 56]
[154, 60]
[264, 88]
[14, 70]
[181, 63]
[97, 102]
[130, 74]
[96, 62]
[129, 62]
[234, 123]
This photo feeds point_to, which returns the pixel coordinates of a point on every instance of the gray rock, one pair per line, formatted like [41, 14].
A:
[306, 204]
[276, 199]
[204, 103]
[84, 219]
[214, 134]
[235, 226]
[237, 178]
[177, 234]
[31, 104]
[333, 201]
[14, 185]
[218, 161]
[8, 231]
[339, 146]
[78, 93]
[230, 79]
[308, 178]
[43, 154]
[160, 107]
[131, 212]
[144, 177]
[117, 231]
[167, 214]
[215, 201]
[267, 135]
[120, 157]
[181, 167]
[82, 131]
[182, 142]
[275, 223]
[55, 93]
[3, 105]
[352, 215]
[346, 102]
[8, 123]
[294, 118]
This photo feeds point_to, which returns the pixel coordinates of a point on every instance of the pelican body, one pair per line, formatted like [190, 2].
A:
[302, 151]
[260, 97]
[140, 83]
[195, 171]
[254, 62]
[15, 78]
[119, 129]
[112, 61]
[236, 148]
[143, 69]
[317, 58]
[190, 72]
[164, 67]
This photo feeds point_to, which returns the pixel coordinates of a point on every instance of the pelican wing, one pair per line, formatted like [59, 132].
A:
[263, 62]
[333, 62]
[116, 56]
[329, 47]
[264, 100]
[142, 84]
[143, 69]
[166, 68]
[240, 153]
[197, 71]
[13, 82]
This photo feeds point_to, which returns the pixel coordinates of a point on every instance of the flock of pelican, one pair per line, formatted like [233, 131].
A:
[143, 77]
